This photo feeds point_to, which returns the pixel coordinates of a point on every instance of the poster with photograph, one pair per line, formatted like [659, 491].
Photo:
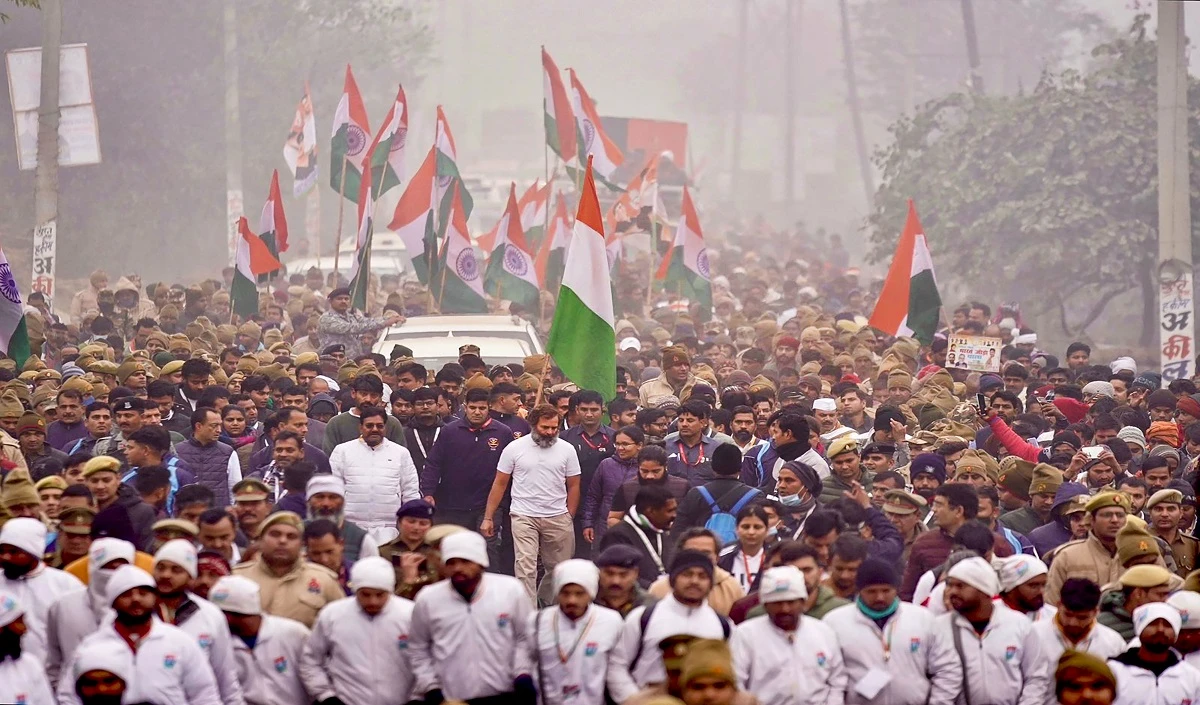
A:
[974, 352]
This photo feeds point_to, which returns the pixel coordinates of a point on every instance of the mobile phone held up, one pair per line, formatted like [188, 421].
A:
[980, 402]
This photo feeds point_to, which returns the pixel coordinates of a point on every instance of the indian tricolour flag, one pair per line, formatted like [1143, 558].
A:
[553, 253]
[447, 172]
[272, 225]
[460, 289]
[909, 303]
[252, 259]
[387, 150]
[511, 273]
[582, 340]
[413, 219]
[559, 118]
[13, 334]
[685, 268]
[532, 205]
[593, 140]
[360, 272]
[351, 135]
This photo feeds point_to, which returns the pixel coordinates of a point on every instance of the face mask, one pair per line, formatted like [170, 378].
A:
[790, 500]
[773, 532]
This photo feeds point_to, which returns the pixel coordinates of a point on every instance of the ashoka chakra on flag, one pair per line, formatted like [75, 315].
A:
[356, 140]
[514, 261]
[466, 266]
[398, 139]
[589, 133]
[702, 262]
[8, 285]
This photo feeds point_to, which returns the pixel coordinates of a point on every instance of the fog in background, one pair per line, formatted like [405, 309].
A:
[156, 205]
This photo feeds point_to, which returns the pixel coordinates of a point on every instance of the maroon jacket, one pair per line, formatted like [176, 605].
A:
[930, 550]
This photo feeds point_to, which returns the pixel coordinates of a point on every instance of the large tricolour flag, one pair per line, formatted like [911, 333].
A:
[387, 150]
[559, 118]
[351, 135]
[413, 218]
[685, 268]
[300, 148]
[552, 254]
[13, 335]
[582, 340]
[272, 225]
[511, 273]
[909, 303]
[460, 289]
[593, 140]
[360, 272]
[252, 259]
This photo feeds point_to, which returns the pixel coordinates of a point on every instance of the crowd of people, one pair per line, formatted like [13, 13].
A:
[780, 506]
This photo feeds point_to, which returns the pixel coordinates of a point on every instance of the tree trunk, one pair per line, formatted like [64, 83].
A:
[1146, 281]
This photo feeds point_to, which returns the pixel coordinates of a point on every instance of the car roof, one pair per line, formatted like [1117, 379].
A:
[457, 326]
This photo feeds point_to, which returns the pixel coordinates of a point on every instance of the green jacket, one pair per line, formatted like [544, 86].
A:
[427, 572]
[833, 486]
[1022, 521]
[1114, 616]
[345, 427]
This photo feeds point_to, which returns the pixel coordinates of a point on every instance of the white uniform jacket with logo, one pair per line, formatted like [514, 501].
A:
[24, 681]
[789, 668]
[36, 591]
[211, 631]
[270, 674]
[572, 657]
[359, 658]
[1006, 665]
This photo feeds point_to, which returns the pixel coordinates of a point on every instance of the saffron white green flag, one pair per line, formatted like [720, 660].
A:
[909, 303]
[685, 268]
[351, 135]
[593, 140]
[583, 341]
[511, 272]
[13, 334]
[461, 289]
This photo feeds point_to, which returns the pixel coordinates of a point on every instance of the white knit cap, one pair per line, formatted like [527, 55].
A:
[234, 593]
[126, 578]
[106, 550]
[467, 545]
[977, 573]
[1123, 364]
[10, 610]
[27, 534]
[325, 483]
[333, 385]
[782, 583]
[374, 573]
[1016, 570]
[577, 571]
[824, 404]
[1147, 613]
[1188, 604]
[1100, 388]
[1025, 339]
[101, 657]
[182, 553]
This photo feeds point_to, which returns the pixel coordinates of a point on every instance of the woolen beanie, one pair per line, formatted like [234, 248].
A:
[373, 573]
[727, 460]
[467, 545]
[182, 553]
[236, 594]
[24, 533]
[126, 578]
[577, 571]
[689, 558]
[876, 572]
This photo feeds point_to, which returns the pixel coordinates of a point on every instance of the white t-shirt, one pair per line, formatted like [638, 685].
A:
[539, 476]
[742, 563]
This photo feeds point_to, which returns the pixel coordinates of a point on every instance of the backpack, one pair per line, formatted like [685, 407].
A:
[724, 523]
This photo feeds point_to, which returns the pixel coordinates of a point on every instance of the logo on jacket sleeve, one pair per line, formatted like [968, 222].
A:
[591, 648]
[914, 645]
[169, 661]
[205, 641]
[821, 659]
[281, 665]
[313, 586]
[1009, 653]
[503, 619]
[493, 443]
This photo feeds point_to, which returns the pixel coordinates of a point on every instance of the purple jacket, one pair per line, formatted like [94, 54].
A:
[611, 473]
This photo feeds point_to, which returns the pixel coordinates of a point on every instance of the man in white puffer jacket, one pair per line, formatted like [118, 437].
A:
[76, 615]
[379, 476]
[358, 649]
[1151, 672]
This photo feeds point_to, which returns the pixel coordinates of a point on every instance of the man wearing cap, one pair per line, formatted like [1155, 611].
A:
[42, 459]
[341, 325]
[79, 613]
[1074, 626]
[1001, 656]
[175, 567]
[127, 414]
[1188, 643]
[30, 581]
[1164, 509]
[1152, 671]
[1083, 679]
[920, 669]
[251, 507]
[1095, 557]
[290, 586]
[269, 649]
[618, 583]
[685, 610]
[415, 562]
[468, 638]
[373, 622]
[1026, 493]
[904, 510]
[1022, 583]
[826, 413]
[784, 656]
[577, 675]
[846, 470]
[1139, 585]
[325, 498]
[676, 378]
[22, 675]
[74, 535]
[164, 662]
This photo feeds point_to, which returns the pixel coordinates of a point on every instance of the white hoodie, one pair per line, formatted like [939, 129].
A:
[1004, 667]
[1178, 685]
[588, 644]
[36, 591]
[24, 681]
[470, 650]
[923, 669]
[72, 617]
[803, 667]
[270, 673]
[359, 658]
[208, 626]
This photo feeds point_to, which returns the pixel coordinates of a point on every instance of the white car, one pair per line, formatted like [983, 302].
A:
[435, 340]
[388, 256]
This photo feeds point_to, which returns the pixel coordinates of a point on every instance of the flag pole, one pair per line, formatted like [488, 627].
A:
[542, 381]
[337, 241]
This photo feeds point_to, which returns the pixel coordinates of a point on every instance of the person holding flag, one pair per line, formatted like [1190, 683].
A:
[342, 325]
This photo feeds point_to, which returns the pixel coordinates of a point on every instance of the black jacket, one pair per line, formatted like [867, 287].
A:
[629, 532]
[694, 510]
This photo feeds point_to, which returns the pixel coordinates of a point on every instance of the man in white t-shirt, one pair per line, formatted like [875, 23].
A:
[544, 472]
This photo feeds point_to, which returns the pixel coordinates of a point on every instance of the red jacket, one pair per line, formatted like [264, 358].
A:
[1012, 442]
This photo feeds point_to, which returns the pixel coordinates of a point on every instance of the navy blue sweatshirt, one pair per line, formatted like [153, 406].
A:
[460, 468]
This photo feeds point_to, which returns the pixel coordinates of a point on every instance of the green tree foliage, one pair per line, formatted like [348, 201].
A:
[1048, 198]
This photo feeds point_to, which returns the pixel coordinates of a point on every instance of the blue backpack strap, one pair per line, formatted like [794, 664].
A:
[762, 472]
[751, 494]
[1012, 540]
[712, 503]
[129, 475]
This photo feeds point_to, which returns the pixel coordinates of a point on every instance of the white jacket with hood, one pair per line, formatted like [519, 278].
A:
[806, 669]
[1006, 665]
[359, 658]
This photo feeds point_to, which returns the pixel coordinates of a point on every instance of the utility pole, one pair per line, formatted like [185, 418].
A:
[789, 106]
[976, 78]
[860, 138]
[1177, 327]
[46, 194]
[739, 98]
[234, 202]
